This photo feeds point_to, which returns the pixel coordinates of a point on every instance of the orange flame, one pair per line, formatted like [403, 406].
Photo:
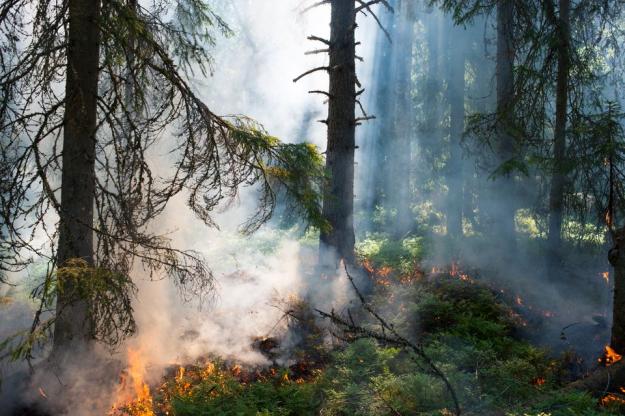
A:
[610, 356]
[538, 381]
[133, 391]
[606, 277]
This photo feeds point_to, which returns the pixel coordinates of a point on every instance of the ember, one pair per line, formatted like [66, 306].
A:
[538, 381]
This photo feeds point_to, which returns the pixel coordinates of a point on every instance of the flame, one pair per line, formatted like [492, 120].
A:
[611, 398]
[519, 300]
[538, 381]
[606, 277]
[610, 356]
[133, 395]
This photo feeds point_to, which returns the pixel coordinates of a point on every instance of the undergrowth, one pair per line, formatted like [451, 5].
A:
[467, 329]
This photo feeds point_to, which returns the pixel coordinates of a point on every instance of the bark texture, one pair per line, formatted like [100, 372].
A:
[556, 195]
[338, 202]
[617, 260]
[78, 175]
[503, 207]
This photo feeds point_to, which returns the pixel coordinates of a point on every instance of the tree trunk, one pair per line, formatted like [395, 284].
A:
[617, 260]
[504, 206]
[556, 196]
[373, 187]
[73, 325]
[399, 166]
[431, 138]
[455, 96]
[338, 201]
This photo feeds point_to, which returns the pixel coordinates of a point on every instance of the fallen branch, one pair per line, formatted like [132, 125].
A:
[387, 334]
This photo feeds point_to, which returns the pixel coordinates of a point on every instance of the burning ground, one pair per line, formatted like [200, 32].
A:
[491, 342]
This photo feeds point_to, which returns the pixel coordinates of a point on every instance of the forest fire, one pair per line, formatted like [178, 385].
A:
[133, 393]
[539, 381]
[609, 356]
[613, 398]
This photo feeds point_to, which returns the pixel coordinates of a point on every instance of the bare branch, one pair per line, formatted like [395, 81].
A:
[320, 68]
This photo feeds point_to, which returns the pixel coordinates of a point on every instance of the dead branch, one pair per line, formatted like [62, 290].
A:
[320, 68]
[316, 51]
[367, 6]
[327, 94]
[318, 39]
[320, 3]
[386, 334]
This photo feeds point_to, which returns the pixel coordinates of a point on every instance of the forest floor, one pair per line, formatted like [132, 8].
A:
[483, 336]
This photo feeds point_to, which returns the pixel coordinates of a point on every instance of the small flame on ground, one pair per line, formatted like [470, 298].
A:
[610, 356]
[538, 381]
[613, 398]
[606, 277]
[133, 390]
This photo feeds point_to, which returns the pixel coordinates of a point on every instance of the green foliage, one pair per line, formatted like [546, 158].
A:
[566, 404]
[108, 296]
[220, 393]
[401, 255]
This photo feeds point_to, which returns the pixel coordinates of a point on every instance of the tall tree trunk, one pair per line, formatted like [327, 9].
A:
[556, 196]
[372, 186]
[616, 257]
[73, 324]
[504, 206]
[431, 137]
[455, 165]
[399, 166]
[338, 202]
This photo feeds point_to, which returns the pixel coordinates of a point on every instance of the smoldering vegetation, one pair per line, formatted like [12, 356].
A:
[459, 299]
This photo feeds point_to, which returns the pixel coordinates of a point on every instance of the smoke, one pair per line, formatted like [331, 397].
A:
[253, 75]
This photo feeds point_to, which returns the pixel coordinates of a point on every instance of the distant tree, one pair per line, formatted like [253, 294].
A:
[399, 167]
[456, 99]
[95, 92]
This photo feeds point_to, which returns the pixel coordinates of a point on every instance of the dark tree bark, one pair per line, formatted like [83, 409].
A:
[78, 175]
[556, 195]
[503, 207]
[400, 165]
[455, 97]
[338, 242]
[617, 260]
